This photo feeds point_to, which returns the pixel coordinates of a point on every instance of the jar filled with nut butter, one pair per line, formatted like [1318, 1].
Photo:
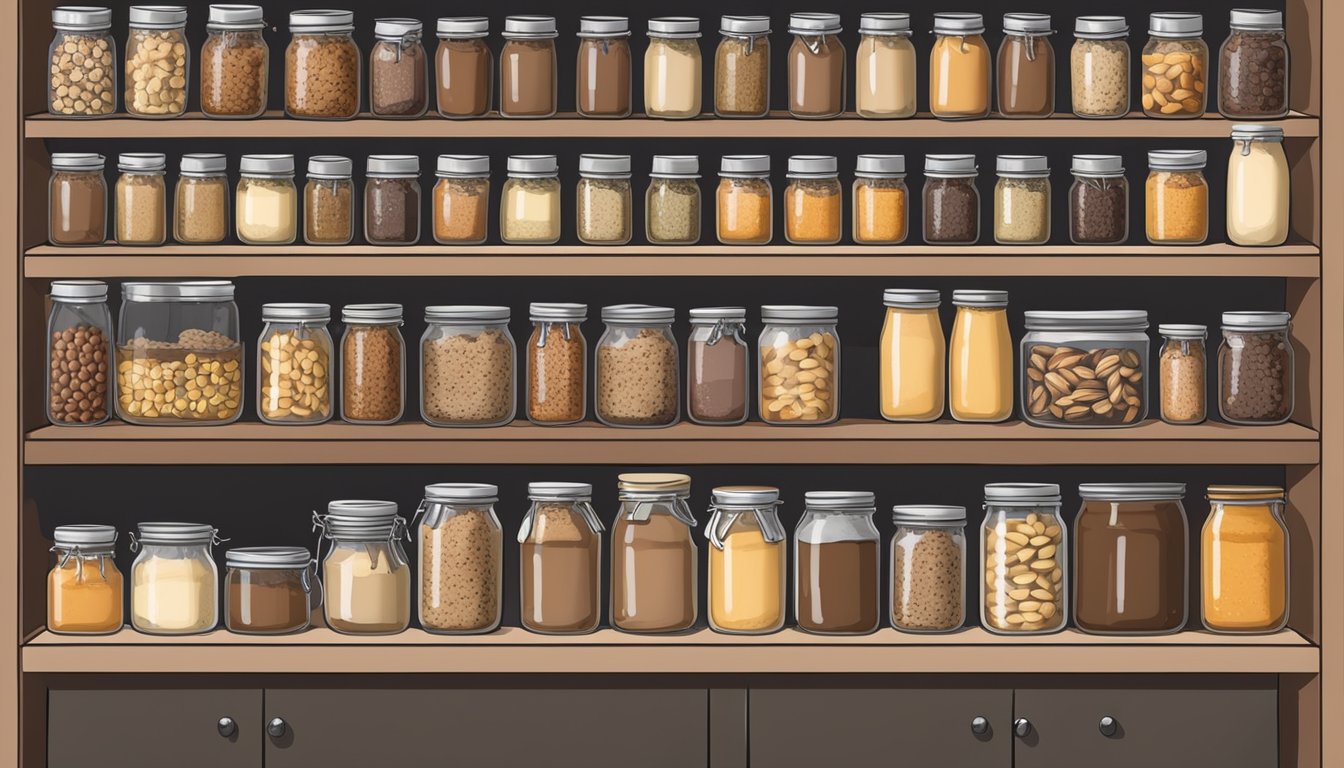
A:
[157, 61]
[79, 334]
[799, 365]
[294, 364]
[527, 67]
[322, 66]
[83, 63]
[1085, 369]
[1174, 73]
[235, 63]
[1022, 556]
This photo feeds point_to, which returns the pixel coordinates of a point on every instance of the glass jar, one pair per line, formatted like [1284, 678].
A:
[745, 214]
[742, 67]
[1025, 582]
[141, 207]
[269, 590]
[1253, 66]
[527, 67]
[638, 383]
[816, 66]
[322, 79]
[716, 366]
[1026, 66]
[174, 579]
[884, 67]
[881, 200]
[1085, 369]
[462, 199]
[201, 200]
[467, 369]
[603, 200]
[76, 199]
[1022, 200]
[398, 70]
[557, 364]
[837, 564]
[653, 555]
[928, 568]
[672, 68]
[812, 201]
[366, 575]
[1099, 67]
[79, 330]
[959, 67]
[800, 364]
[1245, 561]
[1120, 525]
[157, 61]
[1177, 197]
[560, 559]
[672, 204]
[329, 201]
[392, 200]
[747, 561]
[373, 364]
[951, 201]
[267, 205]
[530, 211]
[913, 367]
[461, 559]
[1182, 372]
[1258, 187]
[1098, 200]
[83, 63]
[84, 587]
[980, 362]
[179, 360]
[1255, 368]
[463, 67]
[602, 88]
[235, 63]
[294, 364]
[1175, 66]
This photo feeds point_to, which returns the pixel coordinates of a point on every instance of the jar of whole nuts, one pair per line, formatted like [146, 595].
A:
[373, 364]
[141, 199]
[1255, 368]
[1022, 556]
[1175, 67]
[1183, 371]
[79, 330]
[328, 201]
[800, 365]
[83, 63]
[1085, 369]
[322, 78]
[294, 364]
[467, 367]
[235, 63]
[398, 70]
[77, 199]
[157, 61]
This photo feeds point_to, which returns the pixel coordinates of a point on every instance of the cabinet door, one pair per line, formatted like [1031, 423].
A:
[1155, 728]
[153, 728]
[856, 728]
[604, 728]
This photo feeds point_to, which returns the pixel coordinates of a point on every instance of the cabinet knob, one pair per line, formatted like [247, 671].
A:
[1108, 726]
[979, 726]
[227, 727]
[1022, 727]
[277, 727]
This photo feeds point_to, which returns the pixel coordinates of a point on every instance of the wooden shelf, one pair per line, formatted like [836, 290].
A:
[847, 442]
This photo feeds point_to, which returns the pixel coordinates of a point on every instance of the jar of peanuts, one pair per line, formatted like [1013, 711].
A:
[294, 364]
[157, 60]
[322, 77]
[1022, 551]
[373, 364]
[1174, 74]
[799, 364]
[812, 201]
[235, 63]
[83, 63]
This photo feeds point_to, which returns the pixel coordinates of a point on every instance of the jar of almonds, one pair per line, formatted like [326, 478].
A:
[800, 365]
[1174, 75]
[1022, 556]
[294, 364]
[157, 61]
[83, 63]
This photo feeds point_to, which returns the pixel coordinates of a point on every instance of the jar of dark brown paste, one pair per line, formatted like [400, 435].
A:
[392, 200]
[603, 83]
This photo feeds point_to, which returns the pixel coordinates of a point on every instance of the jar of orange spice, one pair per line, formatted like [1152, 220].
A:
[461, 199]
[812, 201]
[881, 200]
[1177, 197]
[744, 200]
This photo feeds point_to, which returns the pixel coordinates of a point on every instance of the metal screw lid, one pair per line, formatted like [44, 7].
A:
[276, 558]
[465, 314]
[603, 26]
[1183, 331]
[1022, 166]
[84, 536]
[79, 291]
[880, 166]
[533, 166]
[189, 290]
[141, 161]
[744, 166]
[176, 533]
[157, 16]
[1256, 321]
[1175, 24]
[675, 27]
[1022, 493]
[813, 167]
[77, 161]
[1094, 320]
[605, 166]
[1177, 159]
[744, 496]
[462, 27]
[840, 500]
[676, 167]
[1257, 131]
[1100, 27]
[744, 25]
[203, 164]
[322, 20]
[450, 493]
[1100, 166]
[927, 513]
[396, 29]
[81, 18]
[884, 24]
[1256, 19]
[235, 17]
[463, 166]
[911, 298]
[774, 313]
[371, 314]
[330, 167]
[957, 24]
[544, 312]
[266, 165]
[978, 298]
[637, 313]
[814, 24]
[716, 315]
[529, 27]
[295, 312]
[392, 166]
[950, 166]
[560, 491]
[1132, 491]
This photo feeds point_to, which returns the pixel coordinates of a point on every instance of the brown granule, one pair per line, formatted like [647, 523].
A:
[468, 379]
[460, 569]
[556, 376]
[926, 583]
[637, 381]
[371, 387]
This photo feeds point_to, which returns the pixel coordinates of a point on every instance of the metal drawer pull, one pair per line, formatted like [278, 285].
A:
[277, 727]
[1022, 727]
[227, 727]
[979, 726]
[1108, 726]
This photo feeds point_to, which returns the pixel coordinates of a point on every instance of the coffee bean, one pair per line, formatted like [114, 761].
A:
[1099, 211]
[951, 211]
[1253, 76]
[78, 380]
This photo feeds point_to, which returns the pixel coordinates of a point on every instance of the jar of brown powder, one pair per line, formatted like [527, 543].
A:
[392, 200]
[235, 63]
[527, 79]
[603, 88]
[328, 201]
[1026, 66]
[141, 207]
[1183, 371]
[77, 199]
[462, 199]
[373, 364]
[463, 67]
[653, 555]
[322, 66]
[467, 367]
[461, 547]
[557, 364]
[816, 66]
[270, 590]
[638, 384]
[560, 559]
[202, 199]
[398, 70]
[742, 67]
[716, 366]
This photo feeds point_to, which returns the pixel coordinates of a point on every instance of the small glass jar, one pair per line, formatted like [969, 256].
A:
[201, 200]
[174, 579]
[269, 590]
[235, 63]
[1016, 597]
[322, 68]
[1085, 369]
[928, 568]
[602, 88]
[812, 201]
[1253, 66]
[1026, 66]
[951, 201]
[267, 205]
[84, 587]
[141, 204]
[329, 201]
[672, 204]
[603, 201]
[463, 67]
[1098, 200]
[392, 200]
[373, 364]
[560, 559]
[748, 561]
[1099, 67]
[467, 367]
[913, 356]
[745, 210]
[1244, 556]
[884, 67]
[527, 78]
[800, 365]
[294, 364]
[638, 381]
[157, 61]
[365, 574]
[837, 558]
[816, 66]
[1255, 368]
[461, 206]
[1183, 373]
[79, 353]
[959, 67]
[1258, 187]
[881, 200]
[557, 364]
[1176, 197]
[653, 555]
[461, 559]
[83, 63]
[1022, 200]
[77, 199]
[398, 70]
[1174, 75]
[672, 68]
[717, 378]
[530, 210]
[742, 67]
[980, 358]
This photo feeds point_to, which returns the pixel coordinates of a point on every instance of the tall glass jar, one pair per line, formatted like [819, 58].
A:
[366, 575]
[1258, 187]
[1175, 67]
[1023, 554]
[881, 200]
[959, 67]
[79, 353]
[748, 561]
[1099, 67]
[157, 61]
[602, 88]
[884, 67]
[77, 199]
[951, 200]
[1176, 197]
[1253, 66]
[672, 204]
[329, 201]
[717, 379]
[816, 66]
[294, 354]
[557, 364]
[1022, 200]
[799, 365]
[560, 559]
[235, 63]
[201, 200]
[467, 370]
[1244, 558]
[392, 200]
[980, 361]
[267, 205]
[174, 579]
[812, 201]
[461, 208]
[463, 67]
[398, 70]
[141, 199]
[461, 559]
[84, 586]
[603, 204]
[742, 67]
[1098, 200]
[270, 590]
[913, 356]
[529, 213]
[83, 63]
[638, 381]
[373, 364]
[322, 69]
[745, 213]
[837, 559]
[1255, 368]
[672, 67]
[1183, 373]
[928, 568]
[527, 79]
[1026, 66]
[653, 555]
[1085, 369]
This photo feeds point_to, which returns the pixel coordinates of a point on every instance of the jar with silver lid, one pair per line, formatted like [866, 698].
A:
[1023, 550]
[1183, 373]
[529, 211]
[672, 204]
[392, 200]
[560, 560]
[79, 353]
[637, 368]
[1099, 67]
[928, 568]
[267, 204]
[158, 61]
[951, 200]
[365, 573]
[1175, 72]
[373, 364]
[329, 201]
[885, 67]
[1026, 66]
[717, 366]
[463, 67]
[881, 200]
[398, 70]
[959, 67]
[1176, 197]
[1098, 200]
[1253, 66]
[83, 63]
[603, 205]
[270, 590]
[602, 87]
[322, 66]
[235, 63]
[461, 207]
[837, 557]
[812, 200]
[672, 66]
[742, 67]
[77, 199]
[84, 586]
[467, 368]
[1022, 200]
[294, 353]
[799, 381]
[557, 364]
[745, 200]
[1085, 369]
[174, 579]
[201, 200]
[461, 559]
[817, 64]
[748, 561]
[141, 199]
[1256, 380]
[527, 67]
[1259, 187]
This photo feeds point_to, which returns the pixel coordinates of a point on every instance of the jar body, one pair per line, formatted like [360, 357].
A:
[1183, 374]
[980, 365]
[464, 73]
[373, 373]
[328, 211]
[467, 374]
[1177, 205]
[1099, 210]
[742, 76]
[1022, 211]
[79, 355]
[367, 587]
[557, 374]
[672, 211]
[267, 601]
[322, 78]
[744, 216]
[812, 211]
[603, 87]
[235, 72]
[603, 208]
[951, 211]
[881, 211]
[837, 576]
[174, 590]
[77, 208]
[717, 381]
[1258, 189]
[142, 210]
[816, 76]
[672, 73]
[1084, 378]
[293, 373]
[527, 78]
[398, 79]
[747, 575]
[884, 71]
[653, 568]
[267, 210]
[959, 77]
[1129, 571]
[799, 374]
[392, 211]
[156, 72]
[928, 577]
[530, 212]
[561, 570]
[461, 568]
[163, 351]
[1099, 78]
[1023, 597]
[638, 381]
[84, 595]
[1253, 75]
[83, 69]
[202, 209]
[1026, 76]
[913, 365]
[461, 210]
[1255, 377]
[1174, 77]
[1244, 556]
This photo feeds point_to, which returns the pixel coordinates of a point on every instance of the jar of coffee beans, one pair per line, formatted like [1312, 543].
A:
[951, 201]
[83, 62]
[1098, 200]
[1255, 368]
[79, 331]
[1253, 66]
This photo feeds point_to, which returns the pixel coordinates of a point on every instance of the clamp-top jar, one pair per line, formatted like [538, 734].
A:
[603, 201]
[174, 579]
[373, 364]
[329, 201]
[747, 560]
[799, 364]
[84, 587]
[201, 200]
[1258, 186]
[742, 67]
[79, 353]
[1026, 66]
[1253, 66]
[77, 199]
[467, 370]
[816, 66]
[1175, 66]
[527, 78]
[837, 559]
[83, 62]
[560, 559]
[322, 70]
[1255, 368]
[157, 61]
[959, 67]
[1085, 369]
[267, 202]
[717, 379]
[1099, 67]
[366, 575]
[557, 364]
[1022, 555]
[235, 63]
[812, 201]
[461, 559]
[638, 378]
[294, 372]
[398, 70]
[392, 200]
[270, 590]
[141, 199]
[884, 68]
[653, 555]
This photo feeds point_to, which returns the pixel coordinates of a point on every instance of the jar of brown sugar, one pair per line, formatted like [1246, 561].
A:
[1026, 66]
[1253, 66]
[812, 201]
[638, 381]
[467, 373]
[141, 207]
[1255, 368]
[951, 201]
[373, 364]
[82, 59]
[270, 590]
[463, 67]
[157, 61]
[717, 380]
[392, 200]
[77, 199]
[744, 200]
[328, 201]
[1182, 370]
[461, 554]
[322, 79]
[816, 66]
[557, 364]
[79, 355]
[527, 78]
[603, 88]
[202, 199]
[462, 199]
[742, 67]
[1176, 197]
[235, 63]
[881, 200]
[398, 70]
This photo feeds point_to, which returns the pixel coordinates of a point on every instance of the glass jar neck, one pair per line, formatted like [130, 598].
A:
[579, 508]
[640, 506]
[724, 519]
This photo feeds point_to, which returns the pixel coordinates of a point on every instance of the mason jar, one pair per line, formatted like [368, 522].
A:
[1176, 197]
[174, 579]
[1174, 77]
[1022, 200]
[267, 205]
[748, 561]
[1183, 372]
[812, 201]
[464, 67]
[294, 353]
[717, 366]
[366, 576]
[672, 67]
[837, 558]
[816, 66]
[79, 353]
[653, 555]
[745, 200]
[1085, 369]
[529, 208]
[603, 204]
[881, 200]
[322, 67]
[201, 200]
[329, 201]
[467, 369]
[602, 86]
[392, 200]
[557, 364]
[141, 199]
[884, 67]
[637, 368]
[83, 63]
[1098, 200]
[270, 590]
[1256, 381]
[1026, 66]
[235, 63]
[928, 568]
[672, 204]
[527, 67]
[373, 364]
[157, 61]
[560, 560]
[742, 67]
[84, 586]
[77, 199]
[1099, 67]
[980, 357]
[1253, 66]
[913, 356]
[1259, 187]
[951, 200]
[461, 208]
[959, 67]
[1023, 553]
[398, 70]
[1245, 561]
[461, 559]
[799, 365]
